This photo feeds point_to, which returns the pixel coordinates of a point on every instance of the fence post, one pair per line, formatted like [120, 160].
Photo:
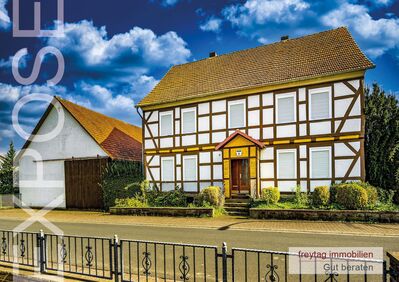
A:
[224, 262]
[116, 257]
[393, 266]
[41, 243]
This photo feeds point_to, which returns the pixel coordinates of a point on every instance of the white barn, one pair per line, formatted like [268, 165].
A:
[64, 171]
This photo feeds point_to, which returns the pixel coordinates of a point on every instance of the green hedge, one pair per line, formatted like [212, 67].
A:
[121, 179]
[351, 196]
[270, 195]
[320, 196]
[210, 196]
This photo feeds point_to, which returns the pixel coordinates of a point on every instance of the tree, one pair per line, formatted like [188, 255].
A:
[382, 138]
[7, 172]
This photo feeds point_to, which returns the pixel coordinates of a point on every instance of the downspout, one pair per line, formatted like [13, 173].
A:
[142, 143]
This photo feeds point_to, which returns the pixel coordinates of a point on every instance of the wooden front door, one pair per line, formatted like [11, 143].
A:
[239, 176]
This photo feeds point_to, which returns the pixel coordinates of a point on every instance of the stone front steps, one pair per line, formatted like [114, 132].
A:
[237, 205]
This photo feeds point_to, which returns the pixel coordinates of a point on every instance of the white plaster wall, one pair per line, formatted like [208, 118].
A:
[253, 118]
[217, 172]
[166, 142]
[189, 140]
[203, 109]
[219, 122]
[203, 124]
[203, 138]
[72, 141]
[286, 131]
[219, 106]
[317, 128]
[253, 101]
[340, 89]
[267, 170]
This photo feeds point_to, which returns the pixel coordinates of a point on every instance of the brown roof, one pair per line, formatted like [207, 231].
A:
[122, 146]
[112, 135]
[232, 136]
[321, 54]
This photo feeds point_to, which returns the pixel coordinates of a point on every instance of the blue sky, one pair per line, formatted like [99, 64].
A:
[116, 51]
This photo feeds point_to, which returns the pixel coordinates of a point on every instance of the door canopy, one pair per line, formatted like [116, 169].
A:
[240, 137]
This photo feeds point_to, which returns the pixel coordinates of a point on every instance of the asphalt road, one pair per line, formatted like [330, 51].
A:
[264, 240]
[269, 240]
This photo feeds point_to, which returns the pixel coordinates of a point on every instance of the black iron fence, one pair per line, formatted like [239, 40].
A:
[135, 260]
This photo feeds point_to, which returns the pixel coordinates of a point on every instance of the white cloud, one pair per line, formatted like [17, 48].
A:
[121, 58]
[5, 21]
[382, 2]
[169, 2]
[138, 48]
[212, 24]
[259, 12]
[376, 36]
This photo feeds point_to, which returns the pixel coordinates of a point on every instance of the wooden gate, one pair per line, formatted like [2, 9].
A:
[82, 178]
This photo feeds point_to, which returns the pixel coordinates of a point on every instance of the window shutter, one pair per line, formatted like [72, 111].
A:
[167, 170]
[236, 115]
[166, 125]
[286, 109]
[321, 164]
[320, 105]
[188, 122]
[286, 165]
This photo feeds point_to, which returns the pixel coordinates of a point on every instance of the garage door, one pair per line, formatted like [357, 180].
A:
[82, 178]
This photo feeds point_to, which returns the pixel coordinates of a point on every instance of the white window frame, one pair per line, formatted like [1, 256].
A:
[188, 157]
[173, 171]
[187, 110]
[318, 149]
[237, 102]
[318, 91]
[161, 114]
[281, 96]
[295, 162]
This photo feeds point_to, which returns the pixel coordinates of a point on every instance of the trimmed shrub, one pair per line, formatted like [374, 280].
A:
[321, 196]
[270, 195]
[351, 196]
[212, 196]
[333, 193]
[372, 193]
[174, 198]
[130, 203]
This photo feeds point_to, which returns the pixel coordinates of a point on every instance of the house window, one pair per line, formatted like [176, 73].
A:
[320, 162]
[237, 114]
[167, 173]
[190, 175]
[166, 123]
[286, 108]
[320, 103]
[286, 164]
[189, 121]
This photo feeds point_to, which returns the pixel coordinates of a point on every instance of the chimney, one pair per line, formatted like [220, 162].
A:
[212, 54]
[284, 38]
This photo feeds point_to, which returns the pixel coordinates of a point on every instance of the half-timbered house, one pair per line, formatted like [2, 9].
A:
[284, 114]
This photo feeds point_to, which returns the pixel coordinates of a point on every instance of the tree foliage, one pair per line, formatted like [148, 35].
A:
[382, 138]
[7, 172]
